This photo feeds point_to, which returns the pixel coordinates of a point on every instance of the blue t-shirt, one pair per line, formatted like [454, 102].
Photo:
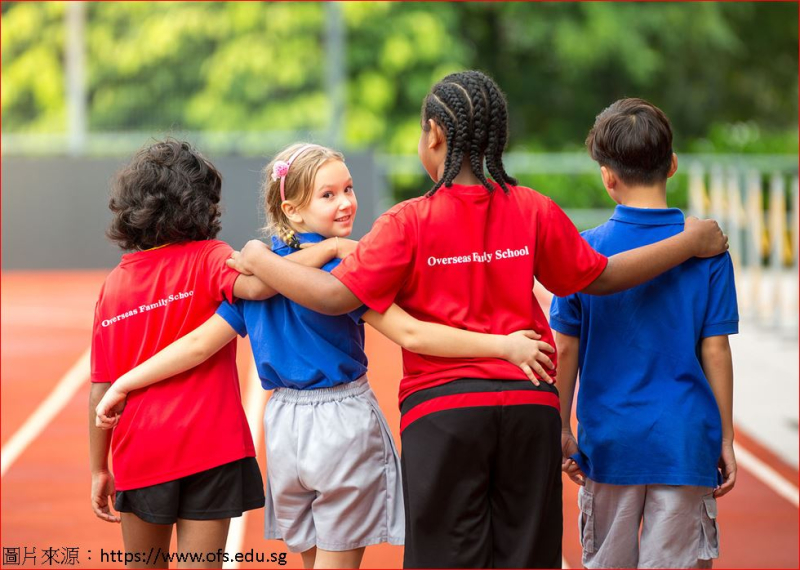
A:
[295, 347]
[646, 412]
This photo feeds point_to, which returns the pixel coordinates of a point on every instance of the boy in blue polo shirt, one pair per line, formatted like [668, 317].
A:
[656, 381]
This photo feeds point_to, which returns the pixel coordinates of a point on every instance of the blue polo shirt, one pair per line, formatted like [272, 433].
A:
[295, 347]
[646, 412]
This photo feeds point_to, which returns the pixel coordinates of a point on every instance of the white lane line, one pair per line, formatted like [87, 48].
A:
[47, 410]
[255, 398]
[767, 475]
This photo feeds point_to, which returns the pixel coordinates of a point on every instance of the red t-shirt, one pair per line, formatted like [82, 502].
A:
[193, 421]
[467, 258]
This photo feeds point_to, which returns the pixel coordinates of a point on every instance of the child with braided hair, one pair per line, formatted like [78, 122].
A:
[481, 450]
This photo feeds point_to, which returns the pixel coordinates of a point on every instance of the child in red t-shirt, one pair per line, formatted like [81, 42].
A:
[183, 453]
[481, 451]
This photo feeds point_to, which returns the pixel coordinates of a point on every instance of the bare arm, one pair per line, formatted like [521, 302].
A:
[103, 489]
[566, 376]
[522, 348]
[183, 354]
[252, 288]
[700, 238]
[715, 356]
[313, 288]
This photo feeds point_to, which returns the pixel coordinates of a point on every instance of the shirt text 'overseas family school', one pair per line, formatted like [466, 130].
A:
[149, 307]
[476, 257]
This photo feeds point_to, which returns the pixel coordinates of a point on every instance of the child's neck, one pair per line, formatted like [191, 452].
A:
[654, 196]
[465, 176]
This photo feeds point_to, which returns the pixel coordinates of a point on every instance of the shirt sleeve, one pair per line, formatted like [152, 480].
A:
[357, 314]
[565, 262]
[722, 312]
[234, 316]
[221, 277]
[379, 266]
[99, 364]
[565, 315]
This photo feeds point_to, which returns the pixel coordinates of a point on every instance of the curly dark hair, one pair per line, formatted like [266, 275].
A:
[472, 110]
[168, 193]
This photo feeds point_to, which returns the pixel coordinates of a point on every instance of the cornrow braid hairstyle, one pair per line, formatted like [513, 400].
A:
[478, 103]
[498, 134]
[472, 111]
[434, 108]
[455, 98]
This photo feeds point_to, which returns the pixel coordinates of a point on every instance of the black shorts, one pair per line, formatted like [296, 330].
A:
[218, 493]
[482, 475]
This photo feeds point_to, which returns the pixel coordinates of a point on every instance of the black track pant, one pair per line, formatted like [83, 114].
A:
[482, 476]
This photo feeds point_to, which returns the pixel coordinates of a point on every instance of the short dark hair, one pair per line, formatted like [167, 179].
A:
[168, 193]
[472, 111]
[633, 138]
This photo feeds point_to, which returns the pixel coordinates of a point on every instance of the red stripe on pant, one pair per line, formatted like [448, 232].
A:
[479, 399]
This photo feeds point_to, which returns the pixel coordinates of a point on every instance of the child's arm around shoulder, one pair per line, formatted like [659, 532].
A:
[315, 289]
[252, 288]
[700, 238]
[183, 354]
[522, 348]
[717, 361]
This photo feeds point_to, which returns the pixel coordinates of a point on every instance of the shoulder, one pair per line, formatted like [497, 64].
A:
[596, 234]
[212, 251]
[211, 245]
[531, 196]
[407, 208]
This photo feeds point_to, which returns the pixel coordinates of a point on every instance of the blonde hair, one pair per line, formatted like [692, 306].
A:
[298, 186]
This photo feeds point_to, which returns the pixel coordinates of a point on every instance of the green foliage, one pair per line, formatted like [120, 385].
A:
[32, 46]
[725, 73]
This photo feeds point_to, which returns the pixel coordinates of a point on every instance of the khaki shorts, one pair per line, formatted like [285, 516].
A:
[333, 473]
[678, 526]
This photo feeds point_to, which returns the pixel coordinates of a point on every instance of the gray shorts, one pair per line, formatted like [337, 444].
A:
[678, 526]
[333, 473]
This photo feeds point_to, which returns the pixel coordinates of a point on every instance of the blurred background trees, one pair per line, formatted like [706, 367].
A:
[725, 73]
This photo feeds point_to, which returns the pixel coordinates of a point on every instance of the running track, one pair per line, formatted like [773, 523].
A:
[46, 324]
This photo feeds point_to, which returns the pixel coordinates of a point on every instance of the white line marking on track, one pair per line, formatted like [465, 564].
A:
[47, 410]
[564, 564]
[255, 398]
[766, 475]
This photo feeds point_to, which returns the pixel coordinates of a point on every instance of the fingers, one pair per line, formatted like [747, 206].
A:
[102, 510]
[574, 472]
[726, 486]
[544, 359]
[543, 375]
[533, 335]
[529, 373]
[543, 346]
[104, 421]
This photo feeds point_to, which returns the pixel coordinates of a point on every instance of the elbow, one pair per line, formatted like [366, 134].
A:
[333, 301]
[412, 340]
[260, 294]
[600, 286]
[199, 351]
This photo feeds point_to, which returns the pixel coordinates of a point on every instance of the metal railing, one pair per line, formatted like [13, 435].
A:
[758, 210]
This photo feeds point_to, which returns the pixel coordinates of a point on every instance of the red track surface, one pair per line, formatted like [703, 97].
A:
[46, 324]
